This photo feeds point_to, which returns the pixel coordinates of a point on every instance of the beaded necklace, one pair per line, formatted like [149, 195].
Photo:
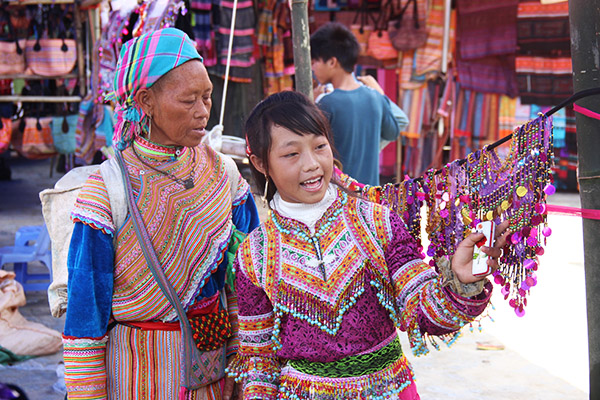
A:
[301, 232]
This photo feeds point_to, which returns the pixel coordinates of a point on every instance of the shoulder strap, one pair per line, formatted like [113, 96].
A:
[162, 281]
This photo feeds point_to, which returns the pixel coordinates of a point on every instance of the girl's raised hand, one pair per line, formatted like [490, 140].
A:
[462, 261]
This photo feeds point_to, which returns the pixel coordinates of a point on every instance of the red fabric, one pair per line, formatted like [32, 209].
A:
[209, 308]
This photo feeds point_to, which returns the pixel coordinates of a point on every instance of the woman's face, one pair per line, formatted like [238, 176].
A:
[300, 165]
[181, 103]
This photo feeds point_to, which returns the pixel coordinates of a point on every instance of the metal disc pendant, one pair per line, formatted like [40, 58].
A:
[188, 183]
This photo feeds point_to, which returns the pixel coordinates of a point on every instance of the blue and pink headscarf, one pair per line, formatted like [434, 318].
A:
[142, 62]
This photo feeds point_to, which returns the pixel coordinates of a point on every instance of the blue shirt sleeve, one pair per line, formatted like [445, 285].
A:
[90, 285]
[245, 215]
[389, 126]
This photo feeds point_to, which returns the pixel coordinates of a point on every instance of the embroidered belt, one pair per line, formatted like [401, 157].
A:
[358, 365]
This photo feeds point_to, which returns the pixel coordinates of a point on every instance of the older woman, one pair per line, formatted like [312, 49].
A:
[122, 339]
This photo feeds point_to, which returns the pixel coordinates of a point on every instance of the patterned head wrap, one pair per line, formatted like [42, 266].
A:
[142, 62]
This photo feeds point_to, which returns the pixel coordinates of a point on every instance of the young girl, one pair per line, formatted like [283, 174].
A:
[325, 281]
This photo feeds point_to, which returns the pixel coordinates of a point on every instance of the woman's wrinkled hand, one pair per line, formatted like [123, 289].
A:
[462, 261]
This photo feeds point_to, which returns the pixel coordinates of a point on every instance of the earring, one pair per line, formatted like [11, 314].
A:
[264, 196]
[149, 126]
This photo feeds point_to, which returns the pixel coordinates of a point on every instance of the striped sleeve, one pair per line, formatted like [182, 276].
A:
[85, 368]
[426, 308]
[92, 206]
[256, 365]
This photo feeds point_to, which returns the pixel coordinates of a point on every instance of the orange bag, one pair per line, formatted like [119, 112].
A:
[362, 30]
[12, 57]
[380, 46]
[5, 134]
[32, 138]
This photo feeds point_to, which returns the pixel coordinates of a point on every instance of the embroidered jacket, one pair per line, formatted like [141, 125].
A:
[372, 281]
[190, 231]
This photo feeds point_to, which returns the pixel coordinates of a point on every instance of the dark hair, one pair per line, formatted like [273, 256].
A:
[290, 110]
[335, 40]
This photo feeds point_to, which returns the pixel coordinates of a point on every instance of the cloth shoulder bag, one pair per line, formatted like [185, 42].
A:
[50, 57]
[362, 30]
[199, 368]
[406, 35]
[57, 204]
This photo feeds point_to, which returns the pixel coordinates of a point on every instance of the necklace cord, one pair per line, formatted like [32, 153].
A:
[185, 183]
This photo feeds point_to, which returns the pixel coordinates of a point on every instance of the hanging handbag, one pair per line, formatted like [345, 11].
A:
[404, 34]
[50, 57]
[362, 30]
[380, 46]
[199, 368]
[12, 54]
[5, 134]
[33, 137]
[63, 133]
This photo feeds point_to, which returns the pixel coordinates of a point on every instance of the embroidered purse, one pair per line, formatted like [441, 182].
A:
[211, 331]
[199, 368]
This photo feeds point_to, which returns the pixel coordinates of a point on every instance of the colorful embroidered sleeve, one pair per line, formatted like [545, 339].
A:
[90, 288]
[233, 343]
[426, 308]
[256, 365]
[92, 206]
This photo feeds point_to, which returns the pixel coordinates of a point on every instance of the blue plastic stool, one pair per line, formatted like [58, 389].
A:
[22, 254]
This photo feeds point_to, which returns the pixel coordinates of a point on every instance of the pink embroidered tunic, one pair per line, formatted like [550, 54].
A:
[319, 313]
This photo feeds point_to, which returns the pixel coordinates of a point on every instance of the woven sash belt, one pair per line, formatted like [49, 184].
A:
[363, 364]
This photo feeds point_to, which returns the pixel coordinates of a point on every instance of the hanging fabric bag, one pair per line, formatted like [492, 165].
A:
[362, 30]
[63, 133]
[5, 134]
[380, 46]
[12, 54]
[32, 137]
[404, 34]
[50, 57]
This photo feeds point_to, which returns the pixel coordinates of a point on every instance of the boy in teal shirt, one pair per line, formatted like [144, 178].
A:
[360, 116]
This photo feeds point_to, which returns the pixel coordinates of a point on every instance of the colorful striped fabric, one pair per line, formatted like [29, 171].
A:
[142, 62]
[190, 230]
[429, 57]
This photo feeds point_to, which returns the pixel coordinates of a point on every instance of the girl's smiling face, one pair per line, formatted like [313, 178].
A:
[300, 166]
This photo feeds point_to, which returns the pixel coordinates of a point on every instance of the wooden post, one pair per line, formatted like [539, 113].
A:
[301, 40]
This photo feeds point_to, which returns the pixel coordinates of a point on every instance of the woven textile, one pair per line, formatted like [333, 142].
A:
[375, 283]
[188, 228]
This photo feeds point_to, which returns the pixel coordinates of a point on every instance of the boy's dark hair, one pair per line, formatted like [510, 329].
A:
[290, 110]
[335, 40]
